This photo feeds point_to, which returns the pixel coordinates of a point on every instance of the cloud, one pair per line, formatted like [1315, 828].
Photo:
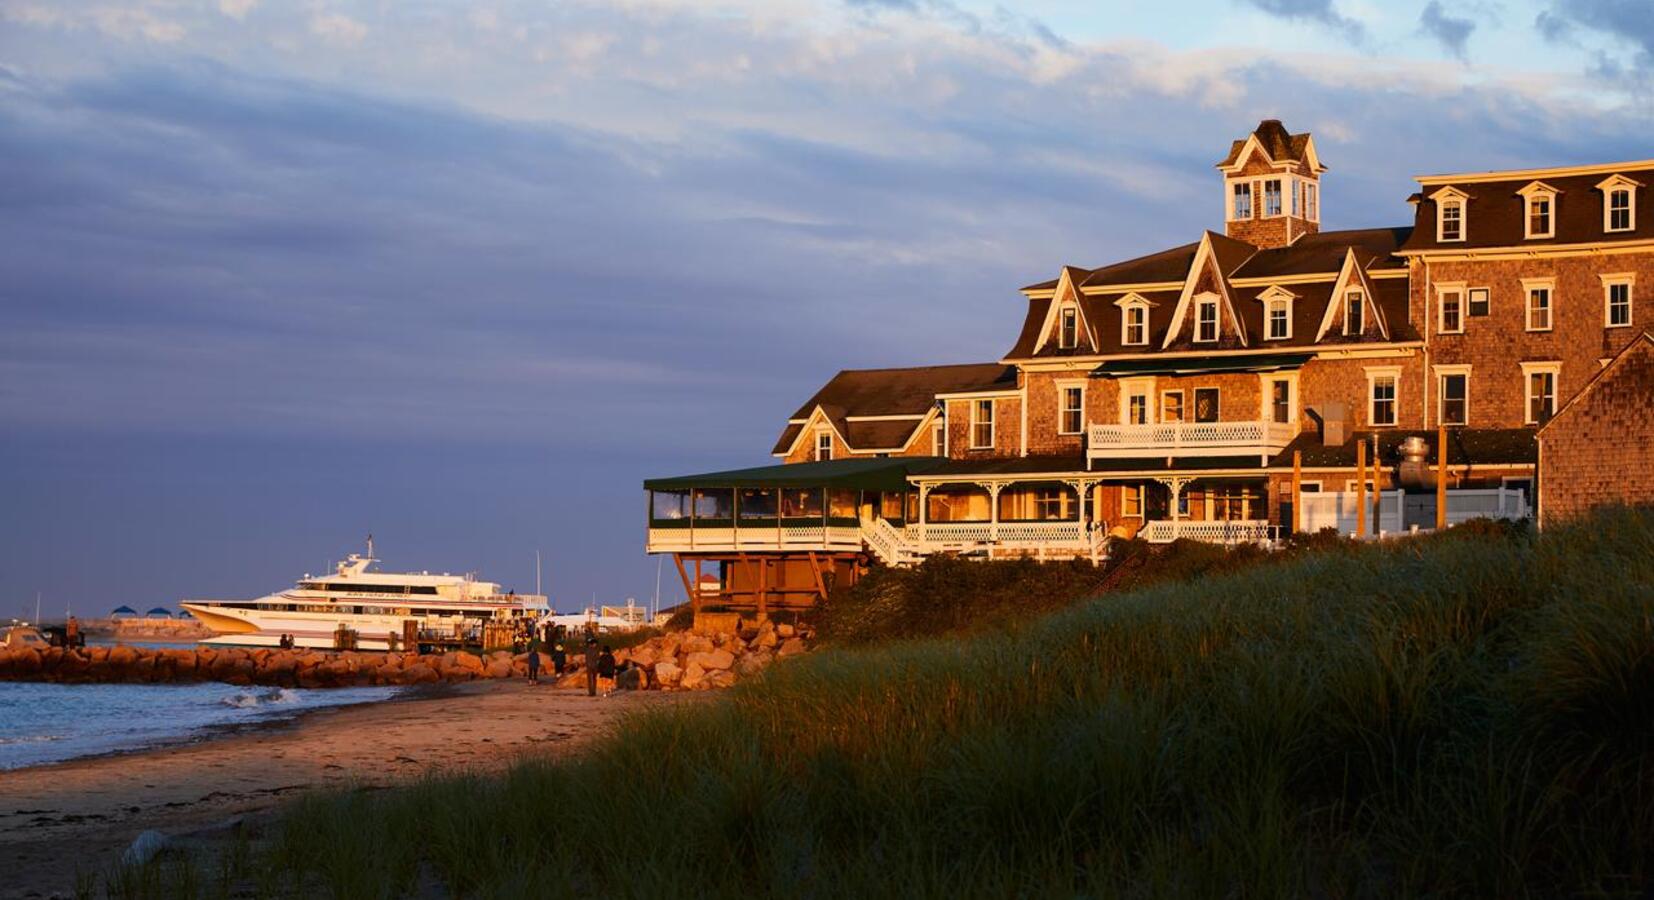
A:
[1452, 33]
[338, 28]
[1623, 23]
[1319, 11]
[236, 9]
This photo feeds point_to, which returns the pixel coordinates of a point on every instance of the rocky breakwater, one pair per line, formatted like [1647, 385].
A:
[673, 661]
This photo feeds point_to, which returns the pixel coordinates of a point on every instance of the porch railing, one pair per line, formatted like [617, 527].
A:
[1221, 531]
[1105, 441]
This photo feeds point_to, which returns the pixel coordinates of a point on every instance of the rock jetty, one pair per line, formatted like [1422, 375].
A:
[673, 661]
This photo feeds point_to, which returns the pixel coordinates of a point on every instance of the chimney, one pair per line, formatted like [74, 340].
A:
[1334, 418]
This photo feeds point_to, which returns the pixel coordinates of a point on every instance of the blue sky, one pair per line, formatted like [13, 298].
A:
[273, 276]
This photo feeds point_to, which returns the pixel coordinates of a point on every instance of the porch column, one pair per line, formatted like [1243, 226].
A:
[924, 512]
[993, 488]
[1078, 487]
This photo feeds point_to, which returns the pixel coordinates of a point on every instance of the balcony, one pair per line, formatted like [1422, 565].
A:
[1223, 531]
[1185, 439]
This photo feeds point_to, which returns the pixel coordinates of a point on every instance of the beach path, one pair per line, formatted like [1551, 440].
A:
[80, 815]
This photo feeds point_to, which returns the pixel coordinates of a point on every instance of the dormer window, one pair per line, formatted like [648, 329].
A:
[1272, 197]
[1242, 208]
[1206, 320]
[1619, 203]
[1452, 221]
[1354, 304]
[1134, 320]
[1539, 218]
[824, 446]
[1068, 329]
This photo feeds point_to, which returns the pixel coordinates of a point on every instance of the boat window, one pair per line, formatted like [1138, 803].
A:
[349, 588]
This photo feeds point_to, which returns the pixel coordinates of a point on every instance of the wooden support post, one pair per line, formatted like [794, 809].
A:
[1441, 477]
[763, 589]
[1297, 491]
[688, 589]
[1378, 492]
[1360, 488]
[821, 583]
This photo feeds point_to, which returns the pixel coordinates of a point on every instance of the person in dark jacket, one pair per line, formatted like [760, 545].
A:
[534, 661]
[606, 670]
[559, 660]
[593, 655]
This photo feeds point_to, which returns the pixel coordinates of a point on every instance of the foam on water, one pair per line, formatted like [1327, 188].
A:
[43, 723]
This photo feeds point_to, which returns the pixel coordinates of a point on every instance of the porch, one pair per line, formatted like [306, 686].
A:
[1188, 439]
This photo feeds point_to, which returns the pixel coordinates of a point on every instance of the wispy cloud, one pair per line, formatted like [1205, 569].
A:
[1451, 32]
[1322, 12]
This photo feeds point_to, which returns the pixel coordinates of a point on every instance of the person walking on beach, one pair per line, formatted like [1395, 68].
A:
[559, 660]
[606, 670]
[593, 654]
[534, 661]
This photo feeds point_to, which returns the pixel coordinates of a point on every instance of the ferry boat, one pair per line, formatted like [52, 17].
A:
[383, 610]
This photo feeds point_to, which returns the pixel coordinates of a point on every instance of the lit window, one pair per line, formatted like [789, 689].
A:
[982, 425]
[1539, 309]
[1137, 409]
[1452, 221]
[1617, 297]
[1206, 404]
[1539, 216]
[1137, 325]
[1353, 310]
[824, 445]
[1243, 201]
[1272, 197]
[1131, 501]
[1280, 320]
[1171, 406]
[1455, 398]
[939, 439]
[1068, 335]
[1206, 321]
[1310, 211]
[1452, 312]
[1619, 209]
[1541, 395]
[1071, 411]
[1382, 409]
[1478, 302]
[1280, 401]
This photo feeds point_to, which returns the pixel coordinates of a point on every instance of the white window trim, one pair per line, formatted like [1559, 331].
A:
[1182, 405]
[1443, 289]
[1266, 411]
[1344, 301]
[1312, 201]
[1373, 374]
[1229, 199]
[1529, 369]
[1441, 392]
[1065, 341]
[1485, 290]
[823, 433]
[1529, 285]
[1608, 186]
[1452, 195]
[1263, 191]
[1535, 191]
[1133, 386]
[1126, 306]
[993, 414]
[1202, 301]
[1063, 387]
[1629, 279]
[1270, 297]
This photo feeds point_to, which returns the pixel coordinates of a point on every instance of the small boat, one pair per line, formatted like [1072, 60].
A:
[377, 610]
[18, 637]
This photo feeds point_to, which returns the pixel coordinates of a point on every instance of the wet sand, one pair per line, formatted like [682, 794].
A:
[82, 814]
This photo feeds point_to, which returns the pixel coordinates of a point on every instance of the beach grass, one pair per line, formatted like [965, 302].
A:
[1463, 715]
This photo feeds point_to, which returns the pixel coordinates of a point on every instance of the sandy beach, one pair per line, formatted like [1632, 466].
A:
[82, 814]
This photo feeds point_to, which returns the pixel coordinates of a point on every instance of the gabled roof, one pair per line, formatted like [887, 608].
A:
[854, 394]
[1276, 142]
[1641, 343]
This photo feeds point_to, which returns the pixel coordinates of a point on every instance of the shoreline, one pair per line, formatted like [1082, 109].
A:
[78, 815]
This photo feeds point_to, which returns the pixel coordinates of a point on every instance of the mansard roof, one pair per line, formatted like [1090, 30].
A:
[1494, 208]
[1324, 253]
[854, 394]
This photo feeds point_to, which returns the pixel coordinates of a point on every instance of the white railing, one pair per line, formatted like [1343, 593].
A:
[1223, 531]
[1339, 509]
[1188, 439]
[1487, 503]
[887, 543]
[786, 536]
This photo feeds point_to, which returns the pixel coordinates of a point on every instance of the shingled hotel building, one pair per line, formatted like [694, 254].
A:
[1186, 393]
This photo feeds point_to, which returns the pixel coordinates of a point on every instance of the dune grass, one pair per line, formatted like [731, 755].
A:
[1469, 714]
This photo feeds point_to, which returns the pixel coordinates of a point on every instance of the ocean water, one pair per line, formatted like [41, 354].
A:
[43, 723]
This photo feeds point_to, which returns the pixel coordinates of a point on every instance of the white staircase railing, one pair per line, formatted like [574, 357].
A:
[888, 544]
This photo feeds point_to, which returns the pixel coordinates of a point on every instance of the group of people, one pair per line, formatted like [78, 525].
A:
[602, 672]
[287, 642]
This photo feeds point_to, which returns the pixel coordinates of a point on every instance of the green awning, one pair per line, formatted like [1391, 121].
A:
[1268, 362]
[878, 474]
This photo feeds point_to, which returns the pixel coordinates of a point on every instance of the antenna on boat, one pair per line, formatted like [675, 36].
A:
[537, 574]
[37, 607]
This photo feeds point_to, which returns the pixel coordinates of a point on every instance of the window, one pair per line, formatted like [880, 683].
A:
[939, 439]
[1451, 308]
[1539, 385]
[1068, 333]
[1070, 409]
[1171, 406]
[1206, 404]
[1243, 201]
[1619, 210]
[1454, 406]
[1206, 320]
[1136, 329]
[1452, 221]
[1539, 216]
[1272, 197]
[1131, 501]
[824, 445]
[1310, 211]
[1137, 409]
[1539, 306]
[1353, 310]
[1478, 302]
[1280, 401]
[1295, 205]
[982, 425]
[1279, 315]
[1616, 291]
[1382, 389]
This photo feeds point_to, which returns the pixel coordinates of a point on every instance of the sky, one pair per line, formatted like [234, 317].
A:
[275, 276]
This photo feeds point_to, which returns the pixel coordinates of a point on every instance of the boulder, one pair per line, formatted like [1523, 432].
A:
[752, 663]
[785, 631]
[668, 674]
[720, 679]
[766, 639]
[466, 662]
[644, 654]
[696, 643]
[694, 677]
[716, 659]
[419, 673]
[122, 658]
[791, 647]
[499, 668]
[572, 680]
